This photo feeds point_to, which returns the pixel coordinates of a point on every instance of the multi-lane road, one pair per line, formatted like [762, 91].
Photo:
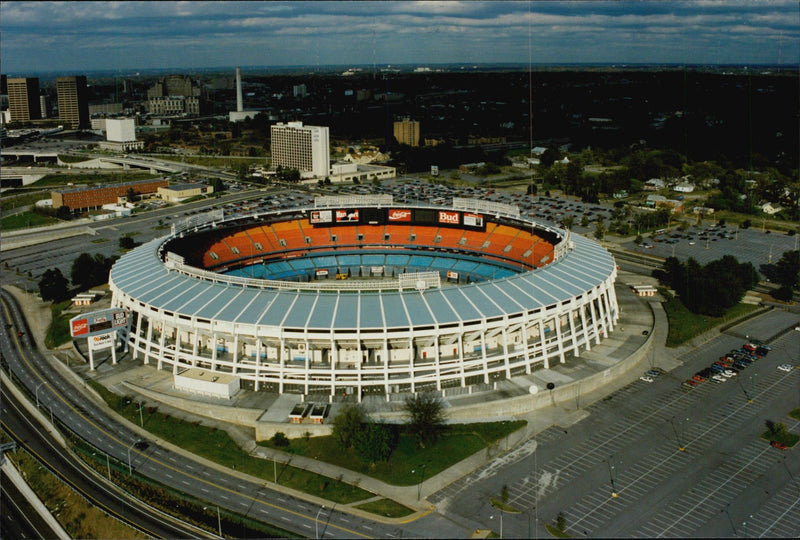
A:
[218, 486]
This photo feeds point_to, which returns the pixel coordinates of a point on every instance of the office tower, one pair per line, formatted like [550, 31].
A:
[299, 90]
[23, 99]
[73, 101]
[406, 131]
[305, 148]
[43, 105]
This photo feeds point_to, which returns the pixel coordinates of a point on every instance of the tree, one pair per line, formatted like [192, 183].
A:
[600, 229]
[53, 285]
[787, 269]
[127, 242]
[425, 418]
[347, 424]
[131, 195]
[568, 221]
[374, 442]
[88, 271]
[64, 213]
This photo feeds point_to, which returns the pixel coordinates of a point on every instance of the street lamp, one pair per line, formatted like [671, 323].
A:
[316, 522]
[421, 477]
[130, 469]
[613, 476]
[37, 393]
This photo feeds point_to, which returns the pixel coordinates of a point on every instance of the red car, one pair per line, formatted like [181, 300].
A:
[777, 444]
[689, 382]
[698, 378]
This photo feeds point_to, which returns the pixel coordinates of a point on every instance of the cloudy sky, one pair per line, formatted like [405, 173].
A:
[82, 36]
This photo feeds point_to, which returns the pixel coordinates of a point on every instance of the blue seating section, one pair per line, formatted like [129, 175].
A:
[358, 265]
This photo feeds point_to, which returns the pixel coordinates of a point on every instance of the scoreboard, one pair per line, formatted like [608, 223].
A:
[98, 322]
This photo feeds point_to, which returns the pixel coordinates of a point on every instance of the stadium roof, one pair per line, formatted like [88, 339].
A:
[143, 276]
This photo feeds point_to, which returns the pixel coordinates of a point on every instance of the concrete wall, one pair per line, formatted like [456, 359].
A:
[225, 413]
[265, 430]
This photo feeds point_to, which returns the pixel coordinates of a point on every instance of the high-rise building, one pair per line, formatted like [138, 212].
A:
[175, 94]
[43, 105]
[305, 148]
[406, 131]
[23, 99]
[299, 91]
[73, 101]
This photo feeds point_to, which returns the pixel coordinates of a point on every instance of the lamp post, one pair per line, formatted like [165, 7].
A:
[316, 522]
[219, 522]
[141, 420]
[421, 477]
[612, 474]
[130, 469]
[37, 393]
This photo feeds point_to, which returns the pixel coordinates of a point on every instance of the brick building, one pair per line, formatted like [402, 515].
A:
[90, 197]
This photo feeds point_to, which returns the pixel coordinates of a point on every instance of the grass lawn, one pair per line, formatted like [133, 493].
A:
[10, 200]
[216, 445]
[386, 507]
[685, 325]
[408, 464]
[795, 413]
[26, 220]
[58, 331]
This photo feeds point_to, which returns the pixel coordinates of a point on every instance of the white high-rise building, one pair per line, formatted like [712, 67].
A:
[305, 148]
[121, 135]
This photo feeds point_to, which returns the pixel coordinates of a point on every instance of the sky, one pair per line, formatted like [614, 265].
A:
[86, 36]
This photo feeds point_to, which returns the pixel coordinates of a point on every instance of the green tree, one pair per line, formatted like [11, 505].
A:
[347, 424]
[425, 417]
[64, 213]
[787, 269]
[53, 286]
[374, 442]
[599, 229]
[127, 242]
[131, 195]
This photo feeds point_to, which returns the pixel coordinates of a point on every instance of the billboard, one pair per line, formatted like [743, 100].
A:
[321, 216]
[448, 218]
[103, 341]
[347, 216]
[399, 215]
[473, 220]
[98, 322]
[322, 273]
[452, 275]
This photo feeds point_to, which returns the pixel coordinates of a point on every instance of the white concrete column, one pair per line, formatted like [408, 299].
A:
[595, 322]
[461, 360]
[585, 326]
[557, 324]
[571, 316]
[543, 339]
[257, 370]
[438, 365]
[505, 352]
[483, 356]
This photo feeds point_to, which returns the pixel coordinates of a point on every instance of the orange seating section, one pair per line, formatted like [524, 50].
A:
[505, 242]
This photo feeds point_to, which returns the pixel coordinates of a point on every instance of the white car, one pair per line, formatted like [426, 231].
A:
[728, 373]
[785, 367]
[718, 378]
[646, 379]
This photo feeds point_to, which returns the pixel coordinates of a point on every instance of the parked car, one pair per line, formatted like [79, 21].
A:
[690, 383]
[785, 367]
[646, 379]
[652, 373]
[718, 378]
[729, 373]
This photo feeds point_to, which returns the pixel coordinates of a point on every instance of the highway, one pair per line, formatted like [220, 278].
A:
[218, 486]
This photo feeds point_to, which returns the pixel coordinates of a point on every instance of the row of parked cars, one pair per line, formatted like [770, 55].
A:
[729, 365]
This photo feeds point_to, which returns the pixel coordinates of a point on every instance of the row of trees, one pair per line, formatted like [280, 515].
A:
[87, 271]
[711, 289]
[375, 441]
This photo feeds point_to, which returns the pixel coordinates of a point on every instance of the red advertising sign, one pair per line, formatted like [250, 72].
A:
[346, 215]
[448, 217]
[399, 215]
[80, 327]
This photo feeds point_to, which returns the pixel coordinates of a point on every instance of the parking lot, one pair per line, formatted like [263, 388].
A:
[631, 445]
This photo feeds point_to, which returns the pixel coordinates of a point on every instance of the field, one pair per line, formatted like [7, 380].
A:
[685, 325]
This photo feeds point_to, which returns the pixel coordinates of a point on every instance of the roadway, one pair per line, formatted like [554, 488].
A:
[19, 518]
[239, 493]
[630, 444]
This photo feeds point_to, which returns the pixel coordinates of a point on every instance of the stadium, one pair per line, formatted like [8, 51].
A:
[359, 296]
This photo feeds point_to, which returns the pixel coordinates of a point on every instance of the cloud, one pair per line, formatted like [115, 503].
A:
[40, 36]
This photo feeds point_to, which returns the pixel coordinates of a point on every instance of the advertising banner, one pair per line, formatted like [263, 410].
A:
[343, 216]
[322, 273]
[98, 322]
[452, 275]
[399, 215]
[449, 218]
[321, 216]
[103, 341]
[473, 220]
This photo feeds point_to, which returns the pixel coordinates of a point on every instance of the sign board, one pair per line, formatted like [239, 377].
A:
[450, 218]
[321, 216]
[434, 170]
[98, 322]
[103, 341]
[322, 273]
[473, 220]
[452, 275]
[347, 215]
[396, 214]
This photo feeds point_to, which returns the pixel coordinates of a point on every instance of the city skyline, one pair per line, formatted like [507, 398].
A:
[86, 36]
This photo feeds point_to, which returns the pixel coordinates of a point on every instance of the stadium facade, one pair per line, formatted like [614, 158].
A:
[366, 297]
